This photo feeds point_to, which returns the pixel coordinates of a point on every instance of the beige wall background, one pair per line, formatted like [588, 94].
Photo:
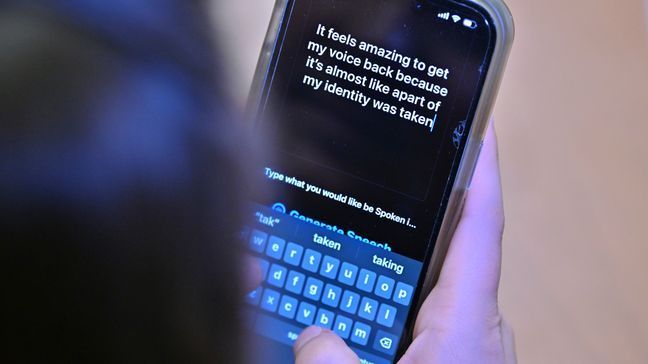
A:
[573, 132]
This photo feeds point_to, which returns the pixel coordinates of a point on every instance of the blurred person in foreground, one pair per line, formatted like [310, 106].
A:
[122, 173]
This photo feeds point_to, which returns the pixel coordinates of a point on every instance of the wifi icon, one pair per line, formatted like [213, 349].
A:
[456, 18]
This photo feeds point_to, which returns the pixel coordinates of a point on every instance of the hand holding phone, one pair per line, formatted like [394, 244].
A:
[459, 321]
[377, 110]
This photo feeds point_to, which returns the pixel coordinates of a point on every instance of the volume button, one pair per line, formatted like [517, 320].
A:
[474, 168]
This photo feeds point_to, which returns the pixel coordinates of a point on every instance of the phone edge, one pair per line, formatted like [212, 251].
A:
[505, 32]
[265, 56]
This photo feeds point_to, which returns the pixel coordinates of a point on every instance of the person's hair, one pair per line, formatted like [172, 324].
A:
[119, 185]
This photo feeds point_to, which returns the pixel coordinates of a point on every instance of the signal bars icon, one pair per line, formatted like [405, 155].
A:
[446, 16]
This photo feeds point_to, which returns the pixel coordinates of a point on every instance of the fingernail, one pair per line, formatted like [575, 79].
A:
[307, 335]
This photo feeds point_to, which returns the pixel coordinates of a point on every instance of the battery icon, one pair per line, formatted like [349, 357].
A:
[468, 23]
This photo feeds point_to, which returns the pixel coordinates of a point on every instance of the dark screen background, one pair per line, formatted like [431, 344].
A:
[362, 152]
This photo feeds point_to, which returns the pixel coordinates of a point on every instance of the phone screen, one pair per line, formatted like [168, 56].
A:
[367, 104]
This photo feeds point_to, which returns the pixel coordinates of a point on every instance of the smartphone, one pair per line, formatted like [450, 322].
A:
[375, 112]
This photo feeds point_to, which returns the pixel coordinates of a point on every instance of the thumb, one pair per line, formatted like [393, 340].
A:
[473, 264]
[469, 279]
[320, 346]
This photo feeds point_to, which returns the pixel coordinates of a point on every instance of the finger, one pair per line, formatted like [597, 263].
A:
[467, 286]
[472, 266]
[253, 275]
[320, 346]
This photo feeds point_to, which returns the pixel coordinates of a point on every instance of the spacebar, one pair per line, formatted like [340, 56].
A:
[275, 329]
[286, 333]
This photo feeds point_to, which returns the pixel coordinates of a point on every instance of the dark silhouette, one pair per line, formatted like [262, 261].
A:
[119, 185]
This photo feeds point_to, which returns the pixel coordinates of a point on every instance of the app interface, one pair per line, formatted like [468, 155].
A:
[367, 104]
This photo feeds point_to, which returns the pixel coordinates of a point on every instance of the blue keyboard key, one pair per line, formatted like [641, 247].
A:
[295, 282]
[311, 260]
[270, 300]
[360, 333]
[368, 308]
[384, 287]
[350, 302]
[342, 326]
[324, 318]
[293, 254]
[403, 293]
[264, 266]
[331, 295]
[348, 273]
[330, 267]
[254, 297]
[277, 275]
[385, 342]
[287, 307]
[386, 315]
[306, 313]
[258, 241]
[313, 289]
[366, 280]
[275, 247]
